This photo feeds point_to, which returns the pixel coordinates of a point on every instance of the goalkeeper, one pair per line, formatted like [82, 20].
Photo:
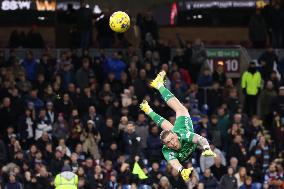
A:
[179, 139]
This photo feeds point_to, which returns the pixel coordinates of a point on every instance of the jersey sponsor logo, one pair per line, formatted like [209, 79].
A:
[171, 155]
[186, 121]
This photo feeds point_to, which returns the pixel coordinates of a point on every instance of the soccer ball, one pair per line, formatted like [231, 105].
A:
[119, 22]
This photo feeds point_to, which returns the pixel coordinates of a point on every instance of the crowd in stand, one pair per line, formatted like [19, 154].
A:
[82, 112]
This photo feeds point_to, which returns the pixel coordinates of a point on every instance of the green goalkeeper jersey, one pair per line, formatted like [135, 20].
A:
[183, 127]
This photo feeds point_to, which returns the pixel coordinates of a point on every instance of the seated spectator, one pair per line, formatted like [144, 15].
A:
[13, 183]
[154, 145]
[218, 169]
[241, 176]
[60, 128]
[164, 183]
[42, 125]
[155, 174]
[238, 150]
[209, 180]
[30, 65]
[234, 164]
[218, 75]
[90, 138]
[261, 152]
[273, 176]
[248, 184]
[228, 181]
[254, 170]
[63, 148]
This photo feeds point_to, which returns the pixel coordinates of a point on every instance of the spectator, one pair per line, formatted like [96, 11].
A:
[272, 176]
[205, 79]
[209, 180]
[233, 101]
[112, 183]
[91, 138]
[83, 74]
[215, 97]
[219, 75]
[251, 80]
[261, 152]
[142, 130]
[267, 60]
[112, 153]
[254, 170]
[238, 150]
[131, 142]
[43, 178]
[30, 65]
[164, 183]
[13, 184]
[109, 134]
[24, 85]
[218, 169]
[98, 178]
[228, 181]
[278, 132]
[214, 131]
[42, 125]
[141, 85]
[6, 115]
[154, 145]
[198, 59]
[228, 86]
[265, 100]
[277, 103]
[147, 24]
[248, 184]
[155, 175]
[241, 176]
[234, 164]
[115, 65]
[179, 59]
[63, 148]
[60, 128]
[223, 126]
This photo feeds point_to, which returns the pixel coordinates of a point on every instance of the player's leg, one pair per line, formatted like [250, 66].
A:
[169, 98]
[159, 120]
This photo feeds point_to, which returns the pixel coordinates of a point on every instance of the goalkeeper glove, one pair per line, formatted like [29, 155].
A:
[208, 152]
[186, 173]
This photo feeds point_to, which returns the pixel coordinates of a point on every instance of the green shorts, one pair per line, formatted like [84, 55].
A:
[184, 122]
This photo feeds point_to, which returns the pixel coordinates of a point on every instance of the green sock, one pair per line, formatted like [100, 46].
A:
[156, 118]
[166, 94]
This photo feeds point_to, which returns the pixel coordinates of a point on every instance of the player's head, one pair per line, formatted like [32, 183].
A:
[170, 139]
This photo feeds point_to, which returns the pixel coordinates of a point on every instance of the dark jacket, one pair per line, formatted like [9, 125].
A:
[210, 182]
[228, 182]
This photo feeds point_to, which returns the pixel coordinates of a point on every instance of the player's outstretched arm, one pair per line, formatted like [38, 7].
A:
[185, 173]
[201, 141]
